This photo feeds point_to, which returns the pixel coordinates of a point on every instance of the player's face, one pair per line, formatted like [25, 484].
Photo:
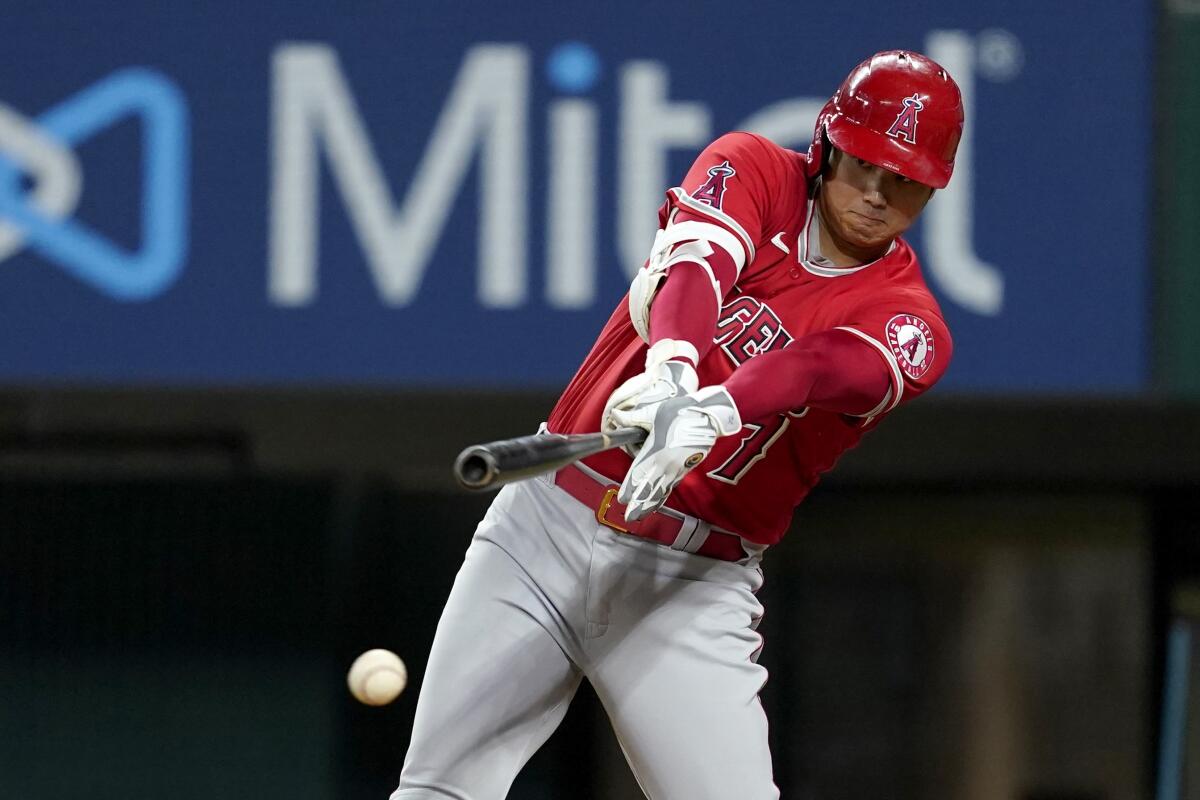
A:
[865, 206]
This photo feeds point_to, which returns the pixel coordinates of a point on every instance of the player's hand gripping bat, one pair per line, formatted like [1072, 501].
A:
[488, 466]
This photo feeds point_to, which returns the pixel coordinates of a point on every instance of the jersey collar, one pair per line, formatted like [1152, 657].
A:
[808, 248]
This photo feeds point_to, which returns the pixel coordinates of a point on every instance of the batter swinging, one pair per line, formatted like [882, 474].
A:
[779, 317]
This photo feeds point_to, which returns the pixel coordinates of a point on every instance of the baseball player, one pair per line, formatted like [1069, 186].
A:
[779, 317]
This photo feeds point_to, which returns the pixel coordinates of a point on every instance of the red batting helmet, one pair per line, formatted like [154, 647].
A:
[900, 111]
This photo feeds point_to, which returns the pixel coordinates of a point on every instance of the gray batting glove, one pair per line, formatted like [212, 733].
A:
[636, 398]
[682, 432]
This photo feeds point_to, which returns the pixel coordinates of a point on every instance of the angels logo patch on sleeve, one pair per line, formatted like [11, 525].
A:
[911, 342]
[712, 191]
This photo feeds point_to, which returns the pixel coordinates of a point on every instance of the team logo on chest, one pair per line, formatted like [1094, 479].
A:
[748, 327]
[713, 189]
[911, 342]
[905, 126]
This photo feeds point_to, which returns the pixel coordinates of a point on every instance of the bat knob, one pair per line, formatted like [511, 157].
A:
[475, 468]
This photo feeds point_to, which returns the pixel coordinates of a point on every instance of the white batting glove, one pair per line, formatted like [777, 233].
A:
[682, 432]
[637, 397]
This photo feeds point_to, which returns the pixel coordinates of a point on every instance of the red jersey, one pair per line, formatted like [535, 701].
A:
[760, 193]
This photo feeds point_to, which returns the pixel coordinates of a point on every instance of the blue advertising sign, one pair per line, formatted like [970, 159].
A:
[441, 197]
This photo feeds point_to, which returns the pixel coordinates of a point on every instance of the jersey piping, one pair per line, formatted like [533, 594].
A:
[684, 199]
[897, 376]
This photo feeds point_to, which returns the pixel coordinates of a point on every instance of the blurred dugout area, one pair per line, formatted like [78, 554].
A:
[178, 610]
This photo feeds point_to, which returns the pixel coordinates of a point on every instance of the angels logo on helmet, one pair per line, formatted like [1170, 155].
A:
[905, 126]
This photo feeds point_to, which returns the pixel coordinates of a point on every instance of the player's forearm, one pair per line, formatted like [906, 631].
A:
[686, 306]
[831, 370]
[685, 309]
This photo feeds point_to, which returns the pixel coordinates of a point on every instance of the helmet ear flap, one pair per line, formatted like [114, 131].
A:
[826, 152]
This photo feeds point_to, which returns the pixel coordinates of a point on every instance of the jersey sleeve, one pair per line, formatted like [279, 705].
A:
[911, 338]
[829, 370]
[729, 186]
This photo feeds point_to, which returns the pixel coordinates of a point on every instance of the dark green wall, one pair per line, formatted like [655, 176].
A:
[188, 637]
[1177, 204]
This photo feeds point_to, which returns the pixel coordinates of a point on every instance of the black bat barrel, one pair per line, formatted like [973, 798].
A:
[487, 466]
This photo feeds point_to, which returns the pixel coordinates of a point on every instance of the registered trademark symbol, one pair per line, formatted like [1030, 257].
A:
[999, 54]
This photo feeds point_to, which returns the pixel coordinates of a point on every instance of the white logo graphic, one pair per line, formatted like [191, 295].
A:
[911, 342]
[486, 121]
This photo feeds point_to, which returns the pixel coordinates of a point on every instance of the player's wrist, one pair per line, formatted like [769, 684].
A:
[665, 350]
[674, 360]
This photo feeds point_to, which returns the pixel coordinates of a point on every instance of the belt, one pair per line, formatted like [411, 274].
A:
[665, 526]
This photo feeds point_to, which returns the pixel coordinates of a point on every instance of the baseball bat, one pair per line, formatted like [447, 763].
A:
[488, 466]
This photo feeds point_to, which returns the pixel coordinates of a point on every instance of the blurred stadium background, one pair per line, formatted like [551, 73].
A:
[266, 267]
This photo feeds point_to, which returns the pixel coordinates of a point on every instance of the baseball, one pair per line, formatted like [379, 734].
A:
[377, 677]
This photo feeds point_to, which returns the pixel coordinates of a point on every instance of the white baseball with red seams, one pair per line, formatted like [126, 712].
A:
[377, 677]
